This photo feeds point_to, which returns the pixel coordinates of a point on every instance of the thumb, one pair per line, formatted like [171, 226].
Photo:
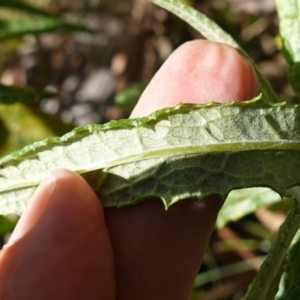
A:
[60, 248]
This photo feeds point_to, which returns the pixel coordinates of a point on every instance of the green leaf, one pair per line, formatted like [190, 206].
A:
[274, 286]
[265, 282]
[290, 282]
[243, 202]
[175, 153]
[13, 94]
[16, 28]
[219, 273]
[294, 75]
[210, 30]
[20, 5]
[207, 27]
[7, 225]
[21, 125]
[4, 134]
[289, 17]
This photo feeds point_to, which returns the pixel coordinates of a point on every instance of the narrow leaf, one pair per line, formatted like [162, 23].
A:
[12, 94]
[16, 28]
[274, 286]
[175, 153]
[20, 5]
[289, 17]
[219, 273]
[210, 30]
[271, 269]
[207, 27]
[290, 282]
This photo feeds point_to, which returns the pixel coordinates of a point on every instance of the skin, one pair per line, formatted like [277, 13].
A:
[66, 246]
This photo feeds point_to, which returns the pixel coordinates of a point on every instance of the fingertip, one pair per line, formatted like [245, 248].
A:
[64, 183]
[64, 251]
[199, 72]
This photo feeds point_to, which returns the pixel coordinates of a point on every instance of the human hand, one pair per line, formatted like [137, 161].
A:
[66, 247]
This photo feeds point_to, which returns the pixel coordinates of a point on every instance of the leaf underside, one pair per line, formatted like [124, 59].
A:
[289, 17]
[174, 154]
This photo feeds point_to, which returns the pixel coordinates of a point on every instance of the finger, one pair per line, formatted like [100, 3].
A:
[199, 72]
[157, 252]
[60, 248]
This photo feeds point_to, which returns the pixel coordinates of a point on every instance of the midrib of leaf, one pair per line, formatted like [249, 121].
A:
[175, 151]
[136, 124]
[211, 31]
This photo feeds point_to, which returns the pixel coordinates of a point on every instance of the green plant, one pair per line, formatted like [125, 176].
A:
[38, 22]
[25, 113]
[264, 152]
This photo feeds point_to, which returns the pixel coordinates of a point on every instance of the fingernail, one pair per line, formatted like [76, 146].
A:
[35, 209]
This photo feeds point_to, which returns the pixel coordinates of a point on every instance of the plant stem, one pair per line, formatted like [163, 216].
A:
[270, 268]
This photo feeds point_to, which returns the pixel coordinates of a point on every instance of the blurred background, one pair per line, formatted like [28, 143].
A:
[94, 58]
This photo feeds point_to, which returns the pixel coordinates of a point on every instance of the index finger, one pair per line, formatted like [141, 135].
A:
[158, 253]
